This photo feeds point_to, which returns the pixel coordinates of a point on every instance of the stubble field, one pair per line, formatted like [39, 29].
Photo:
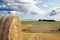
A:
[38, 36]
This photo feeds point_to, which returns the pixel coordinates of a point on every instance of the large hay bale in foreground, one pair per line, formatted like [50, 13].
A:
[10, 27]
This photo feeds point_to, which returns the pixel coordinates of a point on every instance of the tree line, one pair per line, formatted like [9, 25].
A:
[47, 20]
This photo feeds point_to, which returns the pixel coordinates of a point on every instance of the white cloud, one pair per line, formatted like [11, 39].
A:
[0, 6]
[25, 6]
[20, 1]
[27, 1]
[8, 4]
[54, 8]
[52, 3]
[4, 5]
[40, 1]
[36, 9]
[45, 5]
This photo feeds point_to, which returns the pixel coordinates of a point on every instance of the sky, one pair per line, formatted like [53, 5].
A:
[33, 9]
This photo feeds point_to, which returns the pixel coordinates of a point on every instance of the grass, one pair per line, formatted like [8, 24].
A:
[37, 22]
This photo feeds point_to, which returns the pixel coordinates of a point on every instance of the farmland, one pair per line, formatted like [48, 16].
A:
[39, 36]
[37, 22]
[27, 24]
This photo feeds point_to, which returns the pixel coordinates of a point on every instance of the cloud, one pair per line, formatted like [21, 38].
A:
[4, 5]
[0, 6]
[52, 3]
[40, 1]
[24, 6]
[27, 1]
[54, 8]
[20, 1]
[45, 5]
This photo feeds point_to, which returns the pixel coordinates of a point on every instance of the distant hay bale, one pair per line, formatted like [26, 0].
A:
[10, 27]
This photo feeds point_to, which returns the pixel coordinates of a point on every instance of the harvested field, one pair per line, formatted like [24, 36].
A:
[41, 36]
[41, 26]
[25, 25]
[45, 27]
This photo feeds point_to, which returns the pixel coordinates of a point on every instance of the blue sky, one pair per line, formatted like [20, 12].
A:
[47, 4]
[32, 9]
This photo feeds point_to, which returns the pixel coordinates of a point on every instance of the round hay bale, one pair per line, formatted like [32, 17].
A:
[10, 27]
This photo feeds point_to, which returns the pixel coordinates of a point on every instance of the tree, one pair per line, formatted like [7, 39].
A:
[39, 20]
